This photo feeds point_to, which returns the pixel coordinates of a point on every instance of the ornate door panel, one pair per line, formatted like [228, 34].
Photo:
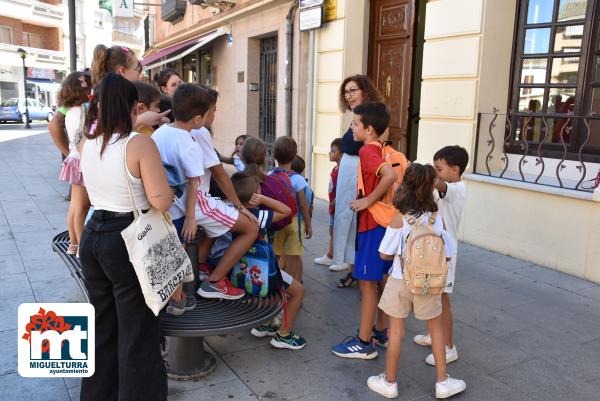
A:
[390, 61]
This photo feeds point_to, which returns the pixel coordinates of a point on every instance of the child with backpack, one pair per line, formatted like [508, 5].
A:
[288, 241]
[248, 190]
[450, 163]
[335, 155]
[419, 247]
[370, 120]
[299, 165]
[175, 142]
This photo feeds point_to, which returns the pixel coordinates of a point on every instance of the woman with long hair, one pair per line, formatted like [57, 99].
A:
[354, 91]
[129, 365]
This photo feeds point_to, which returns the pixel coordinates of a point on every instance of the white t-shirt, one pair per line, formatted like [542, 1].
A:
[210, 157]
[72, 123]
[178, 149]
[451, 207]
[394, 242]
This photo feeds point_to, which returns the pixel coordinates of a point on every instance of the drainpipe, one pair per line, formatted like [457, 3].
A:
[310, 106]
[289, 52]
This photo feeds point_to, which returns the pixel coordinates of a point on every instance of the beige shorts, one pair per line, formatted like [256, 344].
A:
[287, 240]
[397, 301]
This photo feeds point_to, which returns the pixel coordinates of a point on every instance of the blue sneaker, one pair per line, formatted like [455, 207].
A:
[353, 348]
[380, 337]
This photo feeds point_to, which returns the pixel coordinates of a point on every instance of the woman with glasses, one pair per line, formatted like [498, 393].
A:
[354, 91]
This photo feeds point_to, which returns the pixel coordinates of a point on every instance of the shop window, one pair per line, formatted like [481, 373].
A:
[555, 91]
[6, 35]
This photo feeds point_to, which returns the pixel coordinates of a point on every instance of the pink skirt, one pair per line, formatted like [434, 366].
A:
[71, 172]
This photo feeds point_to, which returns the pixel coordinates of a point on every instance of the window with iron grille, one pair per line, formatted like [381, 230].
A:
[555, 96]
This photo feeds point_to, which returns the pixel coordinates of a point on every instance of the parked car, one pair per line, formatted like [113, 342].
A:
[14, 110]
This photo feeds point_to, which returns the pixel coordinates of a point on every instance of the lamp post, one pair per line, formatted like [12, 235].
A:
[23, 55]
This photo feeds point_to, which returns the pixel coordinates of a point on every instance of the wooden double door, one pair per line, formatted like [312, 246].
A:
[390, 63]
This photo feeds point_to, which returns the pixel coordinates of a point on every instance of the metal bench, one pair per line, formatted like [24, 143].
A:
[187, 359]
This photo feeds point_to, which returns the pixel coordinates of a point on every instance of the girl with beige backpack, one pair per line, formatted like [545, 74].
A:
[419, 247]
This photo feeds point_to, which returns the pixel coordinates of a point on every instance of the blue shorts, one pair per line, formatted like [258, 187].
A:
[178, 223]
[367, 263]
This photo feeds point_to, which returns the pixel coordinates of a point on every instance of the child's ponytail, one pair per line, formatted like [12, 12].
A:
[254, 153]
[415, 195]
[108, 59]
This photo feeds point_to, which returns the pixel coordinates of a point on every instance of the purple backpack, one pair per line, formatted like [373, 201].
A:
[278, 186]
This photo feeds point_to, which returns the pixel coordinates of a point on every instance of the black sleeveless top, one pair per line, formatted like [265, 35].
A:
[349, 146]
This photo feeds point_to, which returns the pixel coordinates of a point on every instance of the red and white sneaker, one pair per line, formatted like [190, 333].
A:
[221, 289]
[204, 271]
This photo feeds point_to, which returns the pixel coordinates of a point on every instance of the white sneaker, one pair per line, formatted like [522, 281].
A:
[423, 339]
[381, 386]
[449, 387]
[451, 356]
[324, 260]
[338, 268]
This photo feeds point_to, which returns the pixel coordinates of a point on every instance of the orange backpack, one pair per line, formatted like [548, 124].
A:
[383, 211]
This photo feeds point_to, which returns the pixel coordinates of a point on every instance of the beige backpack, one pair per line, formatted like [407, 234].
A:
[424, 263]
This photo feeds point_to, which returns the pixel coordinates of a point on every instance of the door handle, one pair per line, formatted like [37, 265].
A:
[388, 86]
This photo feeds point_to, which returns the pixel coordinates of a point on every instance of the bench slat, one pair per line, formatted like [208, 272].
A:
[210, 317]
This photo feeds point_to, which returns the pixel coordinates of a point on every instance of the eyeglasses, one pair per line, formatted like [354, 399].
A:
[350, 92]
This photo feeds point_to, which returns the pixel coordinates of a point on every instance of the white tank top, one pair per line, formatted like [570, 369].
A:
[104, 178]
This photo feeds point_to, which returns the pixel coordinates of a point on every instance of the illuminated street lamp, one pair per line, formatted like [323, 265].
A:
[23, 55]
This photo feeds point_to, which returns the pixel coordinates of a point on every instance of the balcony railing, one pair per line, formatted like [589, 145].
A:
[541, 149]
[127, 38]
[41, 8]
[42, 55]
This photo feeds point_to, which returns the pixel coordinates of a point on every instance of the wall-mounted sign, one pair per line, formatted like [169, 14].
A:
[40, 73]
[310, 3]
[330, 10]
[253, 87]
[311, 18]
[122, 8]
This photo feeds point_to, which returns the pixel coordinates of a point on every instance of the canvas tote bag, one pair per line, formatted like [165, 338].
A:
[159, 260]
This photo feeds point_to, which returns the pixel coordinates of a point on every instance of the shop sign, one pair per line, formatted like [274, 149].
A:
[311, 18]
[122, 8]
[330, 10]
[310, 3]
[41, 73]
[10, 74]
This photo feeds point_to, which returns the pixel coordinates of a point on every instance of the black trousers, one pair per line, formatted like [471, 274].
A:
[129, 366]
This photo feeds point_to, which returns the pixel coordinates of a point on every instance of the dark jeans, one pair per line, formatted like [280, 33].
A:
[129, 365]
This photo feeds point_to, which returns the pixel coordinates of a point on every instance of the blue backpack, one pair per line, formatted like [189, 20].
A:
[258, 272]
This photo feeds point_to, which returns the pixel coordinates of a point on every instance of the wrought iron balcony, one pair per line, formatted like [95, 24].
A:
[559, 150]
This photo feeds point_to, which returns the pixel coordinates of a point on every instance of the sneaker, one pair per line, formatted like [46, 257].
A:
[451, 356]
[263, 330]
[324, 260]
[221, 289]
[380, 337]
[381, 386]
[291, 341]
[423, 339]
[338, 268]
[449, 387]
[179, 308]
[352, 347]
[72, 249]
[204, 271]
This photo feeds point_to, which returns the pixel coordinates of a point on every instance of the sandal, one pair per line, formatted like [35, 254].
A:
[72, 249]
[347, 281]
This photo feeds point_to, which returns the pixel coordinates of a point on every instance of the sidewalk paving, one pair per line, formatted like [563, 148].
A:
[523, 332]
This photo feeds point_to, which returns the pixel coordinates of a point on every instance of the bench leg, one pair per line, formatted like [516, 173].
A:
[187, 359]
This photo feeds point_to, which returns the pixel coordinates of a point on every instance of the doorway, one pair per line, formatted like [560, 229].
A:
[267, 124]
[391, 64]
